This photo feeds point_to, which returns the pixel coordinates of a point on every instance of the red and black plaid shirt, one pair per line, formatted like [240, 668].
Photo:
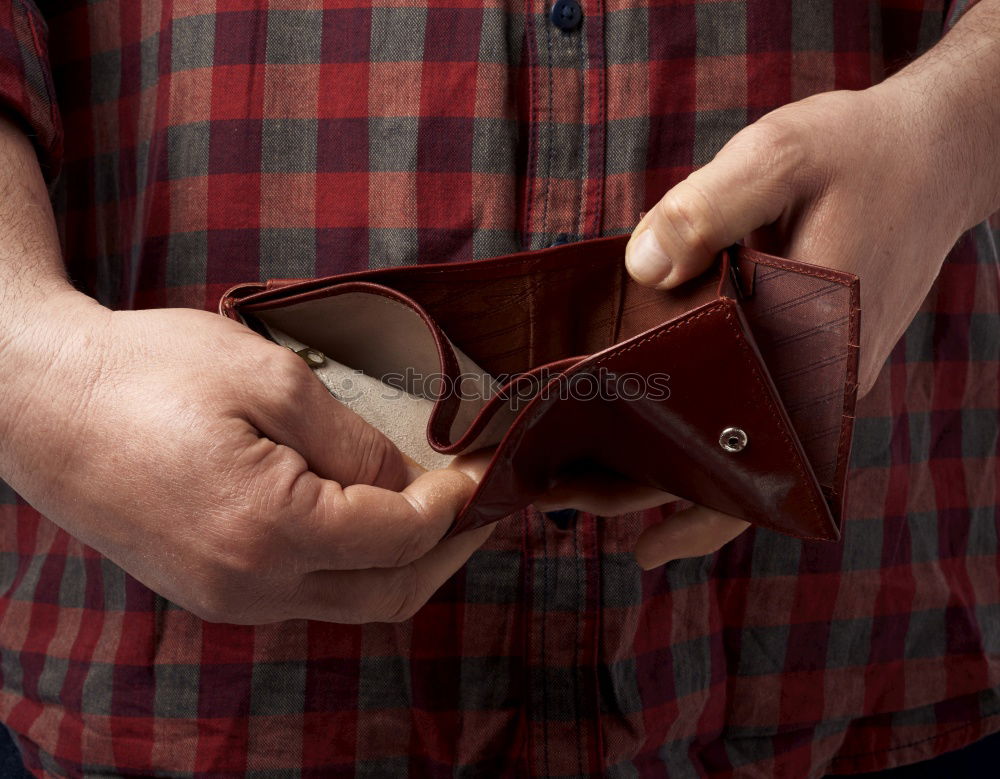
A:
[199, 144]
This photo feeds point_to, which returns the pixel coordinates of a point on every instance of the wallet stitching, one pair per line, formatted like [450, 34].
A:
[618, 304]
[850, 400]
[668, 327]
[839, 277]
[328, 283]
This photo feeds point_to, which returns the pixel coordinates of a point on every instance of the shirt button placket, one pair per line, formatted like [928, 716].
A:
[562, 103]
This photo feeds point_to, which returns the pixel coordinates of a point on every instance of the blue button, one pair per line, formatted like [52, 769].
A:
[560, 240]
[566, 15]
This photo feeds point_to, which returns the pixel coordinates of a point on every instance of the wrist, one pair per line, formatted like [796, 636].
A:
[50, 356]
[946, 100]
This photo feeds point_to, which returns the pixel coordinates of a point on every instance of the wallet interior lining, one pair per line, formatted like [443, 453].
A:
[382, 361]
[400, 415]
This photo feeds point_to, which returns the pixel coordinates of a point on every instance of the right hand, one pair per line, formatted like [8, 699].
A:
[211, 465]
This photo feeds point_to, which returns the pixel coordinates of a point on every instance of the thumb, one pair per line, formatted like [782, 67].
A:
[294, 408]
[739, 191]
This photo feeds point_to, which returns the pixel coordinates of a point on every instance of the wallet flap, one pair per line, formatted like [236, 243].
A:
[660, 409]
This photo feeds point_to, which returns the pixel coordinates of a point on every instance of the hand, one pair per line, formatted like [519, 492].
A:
[848, 180]
[690, 532]
[606, 495]
[211, 465]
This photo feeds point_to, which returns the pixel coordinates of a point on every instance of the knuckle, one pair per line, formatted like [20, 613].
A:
[238, 589]
[281, 488]
[688, 213]
[775, 146]
[285, 371]
[376, 458]
[770, 136]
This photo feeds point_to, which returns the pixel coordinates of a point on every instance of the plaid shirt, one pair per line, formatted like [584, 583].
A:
[198, 144]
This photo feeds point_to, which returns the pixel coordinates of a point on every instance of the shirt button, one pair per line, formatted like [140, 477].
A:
[566, 15]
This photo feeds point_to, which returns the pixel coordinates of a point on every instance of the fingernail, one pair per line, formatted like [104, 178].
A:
[646, 260]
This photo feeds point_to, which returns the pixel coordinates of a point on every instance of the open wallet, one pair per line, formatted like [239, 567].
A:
[735, 390]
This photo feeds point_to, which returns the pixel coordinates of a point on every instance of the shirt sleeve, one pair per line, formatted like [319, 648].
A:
[954, 10]
[27, 95]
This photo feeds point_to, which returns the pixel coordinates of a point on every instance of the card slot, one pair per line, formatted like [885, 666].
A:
[822, 329]
[801, 370]
[802, 317]
[833, 396]
[802, 299]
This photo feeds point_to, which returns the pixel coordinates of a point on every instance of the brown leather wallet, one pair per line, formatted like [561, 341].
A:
[735, 390]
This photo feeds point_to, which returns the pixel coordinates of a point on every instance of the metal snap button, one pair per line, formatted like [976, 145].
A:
[313, 358]
[733, 439]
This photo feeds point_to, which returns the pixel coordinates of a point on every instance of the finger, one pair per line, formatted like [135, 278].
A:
[747, 185]
[474, 464]
[385, 594]
[604, 495]
[291, 406]
[361, 526]
[413, 468]
[693, 532]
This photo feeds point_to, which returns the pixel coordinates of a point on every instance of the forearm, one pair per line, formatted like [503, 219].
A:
[30, 257]
[34, 290]
[954, 94]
